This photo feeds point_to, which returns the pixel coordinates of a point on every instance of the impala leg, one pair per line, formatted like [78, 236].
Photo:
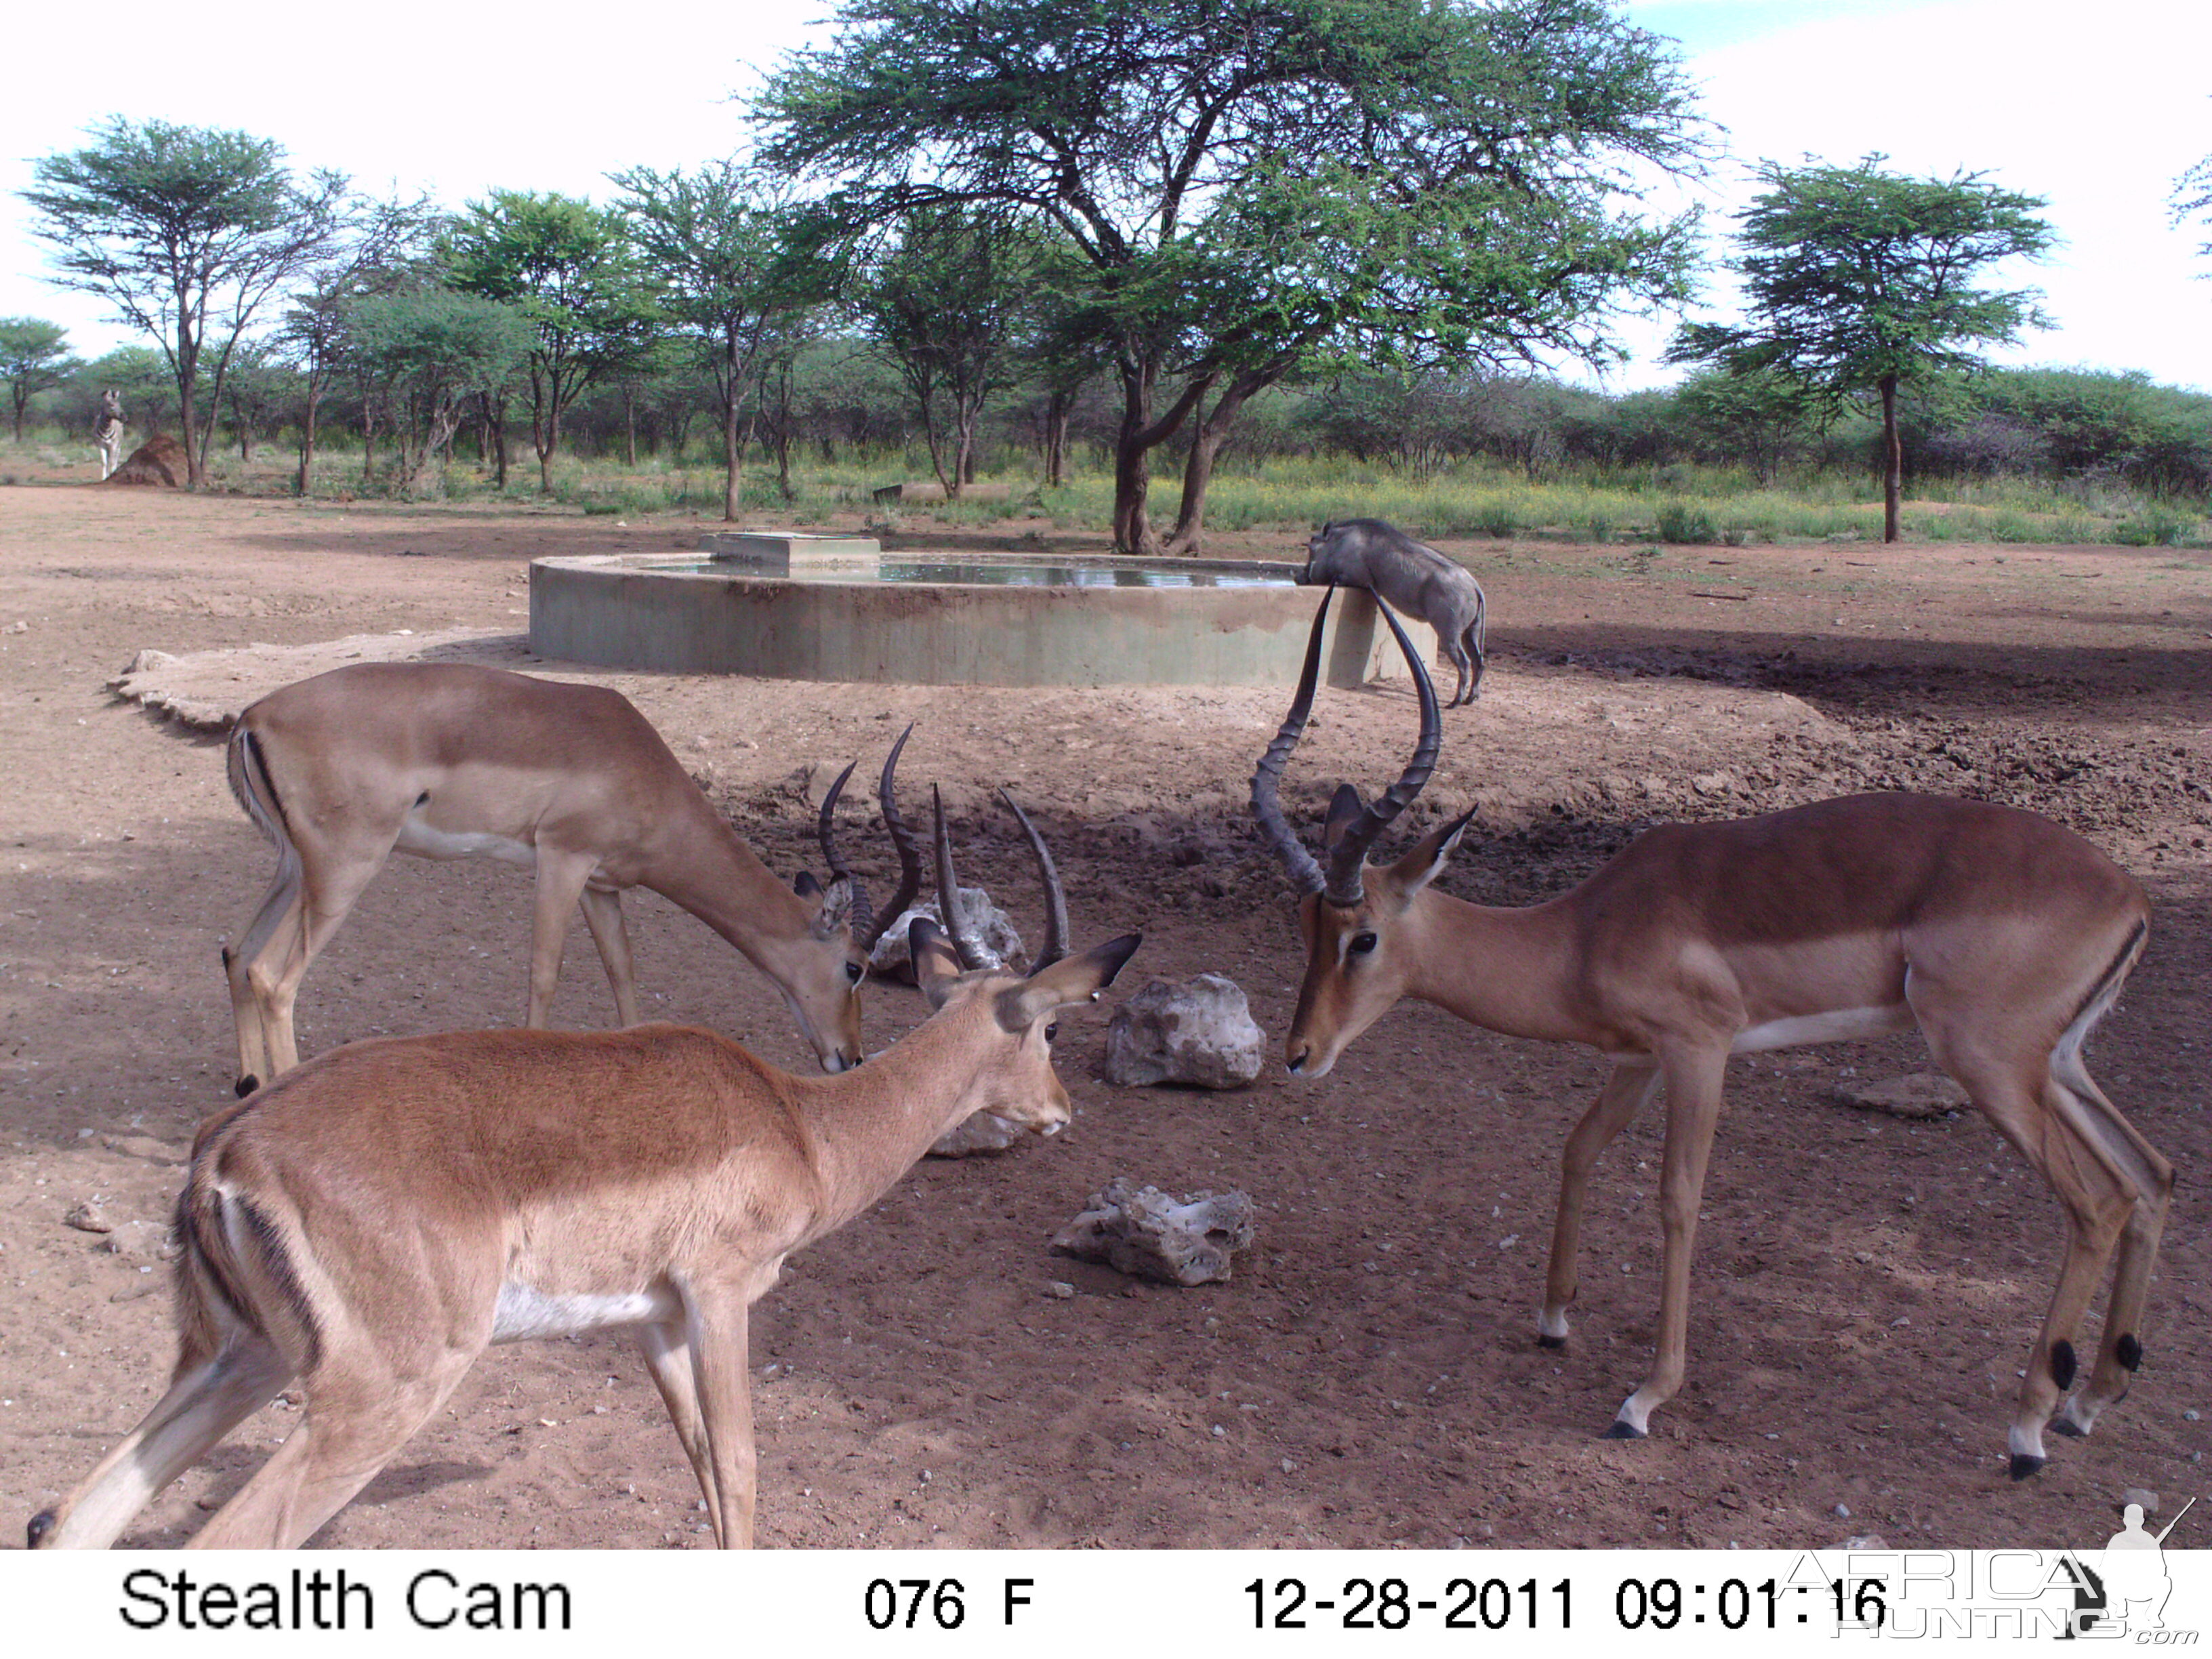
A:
[2150, 1178]
[668, 1357]
[1625, 1093]
[278, 917]
[209, 1395]
[602, 915]
[1455, 651]
[350, 1431]
[561, 889]
[717, 1325]
[1694, 1104]
[1472, 641]
[326, 895]
[2030, 1110]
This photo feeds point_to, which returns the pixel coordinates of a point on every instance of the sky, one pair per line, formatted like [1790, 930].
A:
[2097, 108]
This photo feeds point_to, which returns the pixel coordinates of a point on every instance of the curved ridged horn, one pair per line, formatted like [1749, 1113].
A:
[1056, 898]
[1305, 872]
[1349, 856]
[966, 941]
[909, 849]
[826, 828]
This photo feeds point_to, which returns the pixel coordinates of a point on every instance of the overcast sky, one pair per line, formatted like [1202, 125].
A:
[2097, 107]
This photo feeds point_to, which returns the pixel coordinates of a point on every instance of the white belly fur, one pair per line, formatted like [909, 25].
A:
[418, 838]
[523, 1312]
[1839, 1026]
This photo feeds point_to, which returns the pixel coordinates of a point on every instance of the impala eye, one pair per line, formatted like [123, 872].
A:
[1362, 943]
[854, 973]
[1052, 1031]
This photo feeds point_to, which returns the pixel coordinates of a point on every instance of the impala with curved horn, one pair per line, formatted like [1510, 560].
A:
[371, 1222]
[447, 760]
[2002, 936]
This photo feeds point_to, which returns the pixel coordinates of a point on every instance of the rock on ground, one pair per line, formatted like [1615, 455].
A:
[1923, 1094]
[1199, 1032]
[1145, 1233]
[889, 960]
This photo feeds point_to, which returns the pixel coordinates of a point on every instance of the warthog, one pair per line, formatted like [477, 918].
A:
[1414, 577]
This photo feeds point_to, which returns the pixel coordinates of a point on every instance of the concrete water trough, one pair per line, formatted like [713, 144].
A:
[836, 608]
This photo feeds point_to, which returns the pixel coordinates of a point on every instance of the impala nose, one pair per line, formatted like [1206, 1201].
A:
[1294, 1061]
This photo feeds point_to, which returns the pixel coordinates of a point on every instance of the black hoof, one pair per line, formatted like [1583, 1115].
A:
[246, 1086]
[2067, 1426]
[1618, 1430]
[41, 1524]
[2023, 1465]
[2129, 1352]
[1553, 1342]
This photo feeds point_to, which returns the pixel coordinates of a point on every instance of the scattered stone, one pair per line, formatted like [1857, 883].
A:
[142, 1239]
[1200, 1032]
[146, 1147]
[2191, 1415]
[1860, 1541]
[146, 661]
[1842, 1511]
[1059, 1291]
[1920, 1095]
[1002, 944]
[980, 1136]
[1145, 1233]
[18, 627]
[87, 1216]
[2141, 1495]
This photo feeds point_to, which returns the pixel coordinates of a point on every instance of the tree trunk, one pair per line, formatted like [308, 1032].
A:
[20, 400]
[306, 481]
[1132, 471]
[630, 426]
[1055, 439]
[1198, 468]
[733, 463]
[1892, 461]
[497, 407]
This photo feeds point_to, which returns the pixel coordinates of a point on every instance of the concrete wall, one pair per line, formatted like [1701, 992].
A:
[619, 612]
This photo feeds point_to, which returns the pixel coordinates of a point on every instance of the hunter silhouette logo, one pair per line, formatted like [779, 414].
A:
[2125, 1592]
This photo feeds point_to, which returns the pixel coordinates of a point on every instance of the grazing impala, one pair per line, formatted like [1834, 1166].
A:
[2002, 936]
[370, 1222]
[450, 760]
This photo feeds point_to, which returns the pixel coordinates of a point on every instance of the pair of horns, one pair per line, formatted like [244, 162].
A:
[1340, 883]
[966, 942]
[866, 927]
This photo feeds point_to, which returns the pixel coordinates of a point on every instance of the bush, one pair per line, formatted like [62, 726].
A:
[1687, 525]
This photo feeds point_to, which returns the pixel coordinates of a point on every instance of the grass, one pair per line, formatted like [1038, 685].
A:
[1686, 505]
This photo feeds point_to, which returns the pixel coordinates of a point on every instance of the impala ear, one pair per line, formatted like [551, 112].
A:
[1344, 810]
[1421, 866]
[837, 904]
[1071, 980]
[936, 964]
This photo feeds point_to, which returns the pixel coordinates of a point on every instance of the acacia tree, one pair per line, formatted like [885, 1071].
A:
[572, 269]
[34, 357]
[187, 232]
[1856, 280]
[2192, 199]
[1249, 183]
[427, 353]
[949, 303]
[740, 259]
[375, 246]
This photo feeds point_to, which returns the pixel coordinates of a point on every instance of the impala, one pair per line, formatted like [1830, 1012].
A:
[370, 1222]
[2004, 938]
[447, 761]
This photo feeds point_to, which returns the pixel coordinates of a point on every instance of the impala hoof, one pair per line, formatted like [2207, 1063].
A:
[2066, 1425]
[245, 1086]
[41, 1524]
[1617, 1430]
[2025, 1464]
[1552, 1342]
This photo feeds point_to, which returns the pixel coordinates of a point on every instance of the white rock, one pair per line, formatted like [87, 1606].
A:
[1200, 1032]
[1143, 1233]
[1002, 944]
[980, 1134]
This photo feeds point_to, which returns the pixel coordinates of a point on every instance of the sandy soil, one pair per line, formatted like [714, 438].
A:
[1866, 1287]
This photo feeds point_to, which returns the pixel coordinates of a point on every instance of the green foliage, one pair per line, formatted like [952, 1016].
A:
[572, 271]
[425, 352]
[1685, 524]
[34, 357]
[1254, 186]
[186, 232]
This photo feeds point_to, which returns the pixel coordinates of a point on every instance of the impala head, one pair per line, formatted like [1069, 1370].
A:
[1361, 921]
[1015, 1013]
[822, 974]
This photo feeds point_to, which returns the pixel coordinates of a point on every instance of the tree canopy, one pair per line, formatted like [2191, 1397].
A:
[1252, 184]
[186, 232]
[571, 269]
[1857, 280]
[34, 356]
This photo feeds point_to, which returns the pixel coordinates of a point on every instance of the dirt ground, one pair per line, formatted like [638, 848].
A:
[1866, 1287]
